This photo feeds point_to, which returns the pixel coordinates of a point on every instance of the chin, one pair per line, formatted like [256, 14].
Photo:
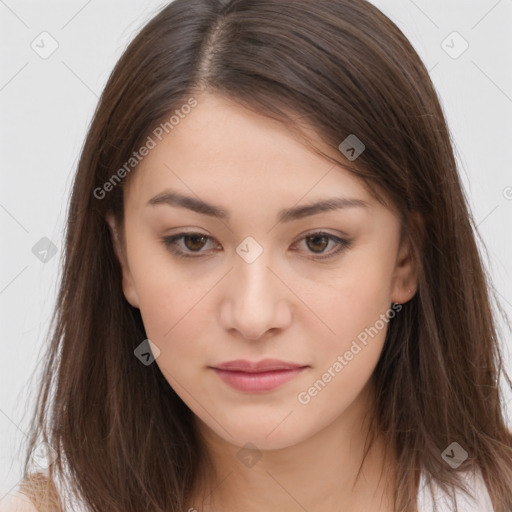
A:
[264, 435]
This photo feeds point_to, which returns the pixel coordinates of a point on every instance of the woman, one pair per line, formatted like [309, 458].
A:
[206, 355]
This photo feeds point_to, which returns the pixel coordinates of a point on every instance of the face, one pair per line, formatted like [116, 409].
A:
[257, 276]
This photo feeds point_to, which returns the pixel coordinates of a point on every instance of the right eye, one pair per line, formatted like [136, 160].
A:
[193, 242]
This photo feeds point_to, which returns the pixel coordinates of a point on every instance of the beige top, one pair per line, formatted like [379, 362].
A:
[481, 501]
[48, 496]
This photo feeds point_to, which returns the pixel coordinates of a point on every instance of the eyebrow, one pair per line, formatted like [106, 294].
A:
[285, 215]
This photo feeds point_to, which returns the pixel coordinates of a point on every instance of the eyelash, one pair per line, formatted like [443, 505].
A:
[170, 243]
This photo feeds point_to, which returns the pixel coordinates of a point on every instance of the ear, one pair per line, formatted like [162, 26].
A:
[405, 276]
[129, 290]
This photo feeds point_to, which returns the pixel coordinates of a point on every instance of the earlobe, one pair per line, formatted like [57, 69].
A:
[128, 286]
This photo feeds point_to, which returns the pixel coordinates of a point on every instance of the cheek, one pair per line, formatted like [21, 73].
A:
[173, 306]
[351, 348]
[171, 309]
[355, 309]
[175, 323]
[352, 299]
[343, 362]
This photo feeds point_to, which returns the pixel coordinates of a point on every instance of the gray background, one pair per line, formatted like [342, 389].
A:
[47, 104]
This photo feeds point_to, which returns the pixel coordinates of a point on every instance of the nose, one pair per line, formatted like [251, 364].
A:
[256, 300]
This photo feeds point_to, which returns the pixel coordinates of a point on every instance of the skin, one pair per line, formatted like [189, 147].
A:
[217, 307]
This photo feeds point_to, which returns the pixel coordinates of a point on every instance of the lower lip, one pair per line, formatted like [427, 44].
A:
[257, 382]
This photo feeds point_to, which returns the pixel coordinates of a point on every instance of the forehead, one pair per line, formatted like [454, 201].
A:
[221, 149]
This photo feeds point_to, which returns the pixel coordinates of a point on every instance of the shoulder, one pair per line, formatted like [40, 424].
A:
[16, 502]
[479, 501]
[35, 493]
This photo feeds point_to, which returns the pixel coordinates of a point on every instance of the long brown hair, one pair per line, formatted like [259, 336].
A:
[341, 67]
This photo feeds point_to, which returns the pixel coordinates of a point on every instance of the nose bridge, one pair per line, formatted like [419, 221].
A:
[254, 300]
[254, 280]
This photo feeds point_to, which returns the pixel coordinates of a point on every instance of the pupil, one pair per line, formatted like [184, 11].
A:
[195, 238]
[321, 237]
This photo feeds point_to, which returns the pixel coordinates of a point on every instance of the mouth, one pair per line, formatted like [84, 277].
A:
[256, 377]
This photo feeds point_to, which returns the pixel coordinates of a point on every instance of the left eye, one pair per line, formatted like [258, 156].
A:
[194, 242]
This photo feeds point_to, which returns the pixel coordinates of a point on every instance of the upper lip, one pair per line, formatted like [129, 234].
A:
[265, 365]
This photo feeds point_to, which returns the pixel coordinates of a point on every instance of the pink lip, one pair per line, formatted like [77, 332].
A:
[259, 376]
[265, 365]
